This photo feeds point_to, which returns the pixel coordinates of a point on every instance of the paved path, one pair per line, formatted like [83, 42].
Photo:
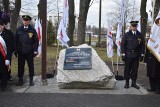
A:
[52, 87]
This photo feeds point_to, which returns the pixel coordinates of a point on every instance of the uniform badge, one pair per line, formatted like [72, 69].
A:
[30, 35]
[139, 40]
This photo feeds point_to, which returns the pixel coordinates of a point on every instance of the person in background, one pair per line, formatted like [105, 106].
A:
[26, 46]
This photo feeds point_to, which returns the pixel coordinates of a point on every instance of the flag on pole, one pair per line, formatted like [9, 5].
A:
[109, 41]
[65, 13]
[62, 35]
[122, 12]
[118, 39]
[38, 28]
[154, 41]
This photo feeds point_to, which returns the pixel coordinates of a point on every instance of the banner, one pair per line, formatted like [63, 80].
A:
[154, 41]
[38, 28]
[118, 39]
[109, 41]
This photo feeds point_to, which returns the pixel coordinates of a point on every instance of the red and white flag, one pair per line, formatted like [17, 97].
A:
[109, 41]
[154, 40]
[38, 28]
[118, 39]
[62, 35]
[3, 48]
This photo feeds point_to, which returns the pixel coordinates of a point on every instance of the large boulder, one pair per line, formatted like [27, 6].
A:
[100, 76]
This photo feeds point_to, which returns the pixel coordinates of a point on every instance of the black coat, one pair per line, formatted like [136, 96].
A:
[153, 65]
[9, 44]
[26, 40]
[132, 45]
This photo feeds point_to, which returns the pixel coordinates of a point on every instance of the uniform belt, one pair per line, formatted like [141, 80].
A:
[133, 51]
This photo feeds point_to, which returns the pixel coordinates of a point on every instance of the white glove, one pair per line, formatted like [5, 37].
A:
[7, 62]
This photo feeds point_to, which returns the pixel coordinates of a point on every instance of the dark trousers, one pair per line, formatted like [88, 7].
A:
[154, 83]
[21, 63]
[131, 68]
[3, 72]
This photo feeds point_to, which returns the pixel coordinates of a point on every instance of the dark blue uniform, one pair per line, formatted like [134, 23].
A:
[132, 47]
[26, 43]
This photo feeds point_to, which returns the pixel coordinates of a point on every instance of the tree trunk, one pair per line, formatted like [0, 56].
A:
[156, 8]
[39, 9]
[6, 5]
[14, 16]
[84, 7]
[71, 25]
[144, 17]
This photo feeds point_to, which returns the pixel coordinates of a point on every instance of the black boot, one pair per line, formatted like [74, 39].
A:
[31, 81]
[20, 82]
[127, 84]
[134, 84]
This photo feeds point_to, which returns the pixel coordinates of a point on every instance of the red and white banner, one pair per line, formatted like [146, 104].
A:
[3, 48]
[38, 28]
[109, 41]
[154, 41]
[118, 39]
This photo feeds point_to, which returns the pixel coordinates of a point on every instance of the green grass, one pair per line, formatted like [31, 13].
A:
[51, 55]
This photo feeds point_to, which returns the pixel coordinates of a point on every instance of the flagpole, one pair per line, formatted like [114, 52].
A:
[112, 65]
[117, 63]
[55, 63]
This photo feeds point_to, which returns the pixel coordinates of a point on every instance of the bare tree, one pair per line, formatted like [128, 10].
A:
[84, 7]
[131, 12]
[156, 8]
[71, 25]
[6, 5]
[144, 17]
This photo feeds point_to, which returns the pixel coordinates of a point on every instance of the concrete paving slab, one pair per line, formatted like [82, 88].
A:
[52, 87]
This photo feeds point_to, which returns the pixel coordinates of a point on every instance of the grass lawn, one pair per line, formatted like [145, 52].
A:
[51, 55]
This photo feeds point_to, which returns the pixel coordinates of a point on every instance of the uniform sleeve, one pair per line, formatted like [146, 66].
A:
[142, 45]
[36, 42]
[16, 42]
[123, 44]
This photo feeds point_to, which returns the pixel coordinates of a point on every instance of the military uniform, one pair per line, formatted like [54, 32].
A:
[26, 45]
[132, 48]
[153, 67]
[3, 67]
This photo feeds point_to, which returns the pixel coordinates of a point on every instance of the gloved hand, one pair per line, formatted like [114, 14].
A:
[7, 62]
[35, 54]
[123, 57]
[15, 54]
[141, 58]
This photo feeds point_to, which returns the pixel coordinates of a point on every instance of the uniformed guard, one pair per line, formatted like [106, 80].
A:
[6, 50]
[132, 48]
[26, 45]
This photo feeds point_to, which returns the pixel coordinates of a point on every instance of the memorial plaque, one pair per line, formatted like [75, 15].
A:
[78, 59]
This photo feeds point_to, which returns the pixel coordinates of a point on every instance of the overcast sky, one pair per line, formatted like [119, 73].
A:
[93, 14]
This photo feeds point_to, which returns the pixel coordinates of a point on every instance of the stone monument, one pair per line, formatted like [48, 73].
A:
[81, 68]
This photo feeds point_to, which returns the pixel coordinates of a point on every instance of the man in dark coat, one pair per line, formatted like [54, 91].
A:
[10, 35]
[6, 49]
[132, 48]
[153, 67]
[26, 45]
